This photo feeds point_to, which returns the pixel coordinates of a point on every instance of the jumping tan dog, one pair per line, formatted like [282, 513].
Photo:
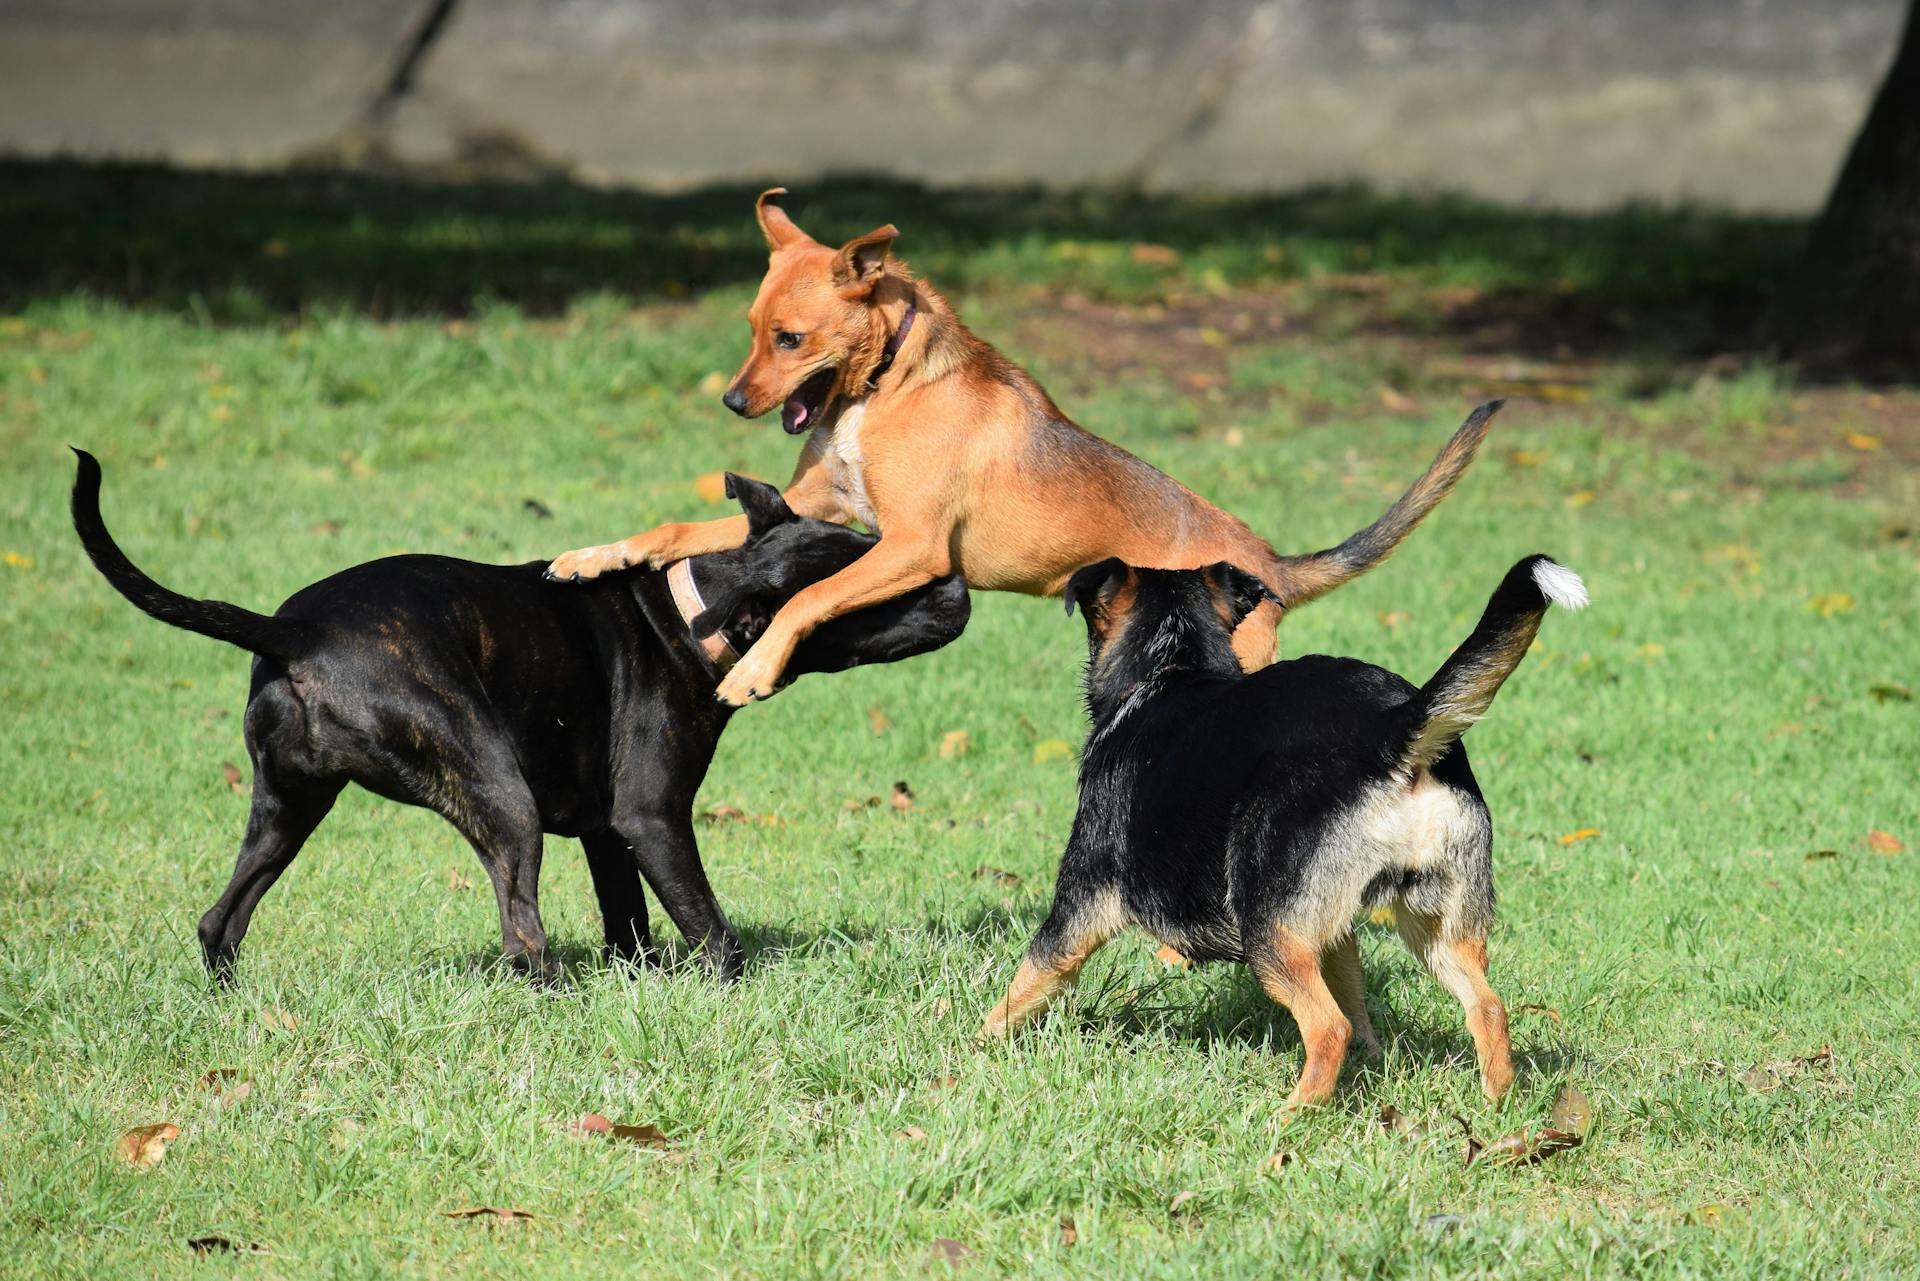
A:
[960, 462]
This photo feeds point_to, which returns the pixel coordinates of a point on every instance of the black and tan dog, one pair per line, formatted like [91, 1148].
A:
[512, 706]
[1251, 817]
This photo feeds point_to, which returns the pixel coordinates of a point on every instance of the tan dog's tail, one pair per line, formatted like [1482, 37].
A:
[1298, 579]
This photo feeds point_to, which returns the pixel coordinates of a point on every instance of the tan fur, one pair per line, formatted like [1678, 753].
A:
[962, 460]
[1289, 973]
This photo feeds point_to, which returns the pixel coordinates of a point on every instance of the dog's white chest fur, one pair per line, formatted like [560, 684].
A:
[847, 465]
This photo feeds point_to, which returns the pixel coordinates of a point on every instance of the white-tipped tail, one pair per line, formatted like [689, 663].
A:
[1560, 585]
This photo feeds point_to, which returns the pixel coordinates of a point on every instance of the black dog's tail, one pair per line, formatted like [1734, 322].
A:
[1462, 690]
[280, 638]
[1298, 579]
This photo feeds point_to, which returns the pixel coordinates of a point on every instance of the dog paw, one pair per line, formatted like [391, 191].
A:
[588, 562]
[753, 678]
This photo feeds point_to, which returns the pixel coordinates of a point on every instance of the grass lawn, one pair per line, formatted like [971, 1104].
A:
[285, 377]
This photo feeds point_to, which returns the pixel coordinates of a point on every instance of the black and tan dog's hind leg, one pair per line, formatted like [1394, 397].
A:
[1288, 967]
[1457, 959]
[1080, 924]
[1340, 963]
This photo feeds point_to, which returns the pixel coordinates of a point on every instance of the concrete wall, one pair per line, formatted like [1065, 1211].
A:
[1749, 103]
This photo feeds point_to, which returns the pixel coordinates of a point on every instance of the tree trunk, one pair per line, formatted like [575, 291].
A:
[1853, 301]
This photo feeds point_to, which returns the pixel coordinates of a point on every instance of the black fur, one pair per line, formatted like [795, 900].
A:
[512, 706]
[1217, 807]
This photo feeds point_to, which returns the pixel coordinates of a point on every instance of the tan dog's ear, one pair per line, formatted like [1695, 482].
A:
[862, 261]
[779, 229]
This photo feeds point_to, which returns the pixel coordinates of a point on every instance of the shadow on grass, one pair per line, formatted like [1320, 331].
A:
[254, 248]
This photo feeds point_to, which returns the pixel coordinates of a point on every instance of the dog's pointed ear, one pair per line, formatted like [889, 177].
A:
[763, 504]
[1241, 591]
[779, 229]
[1088, 582]
[862, 261]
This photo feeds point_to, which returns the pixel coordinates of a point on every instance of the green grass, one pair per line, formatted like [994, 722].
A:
[1731, 706]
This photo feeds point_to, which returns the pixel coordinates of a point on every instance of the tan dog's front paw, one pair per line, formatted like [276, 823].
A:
[755, 676]
[589, 562]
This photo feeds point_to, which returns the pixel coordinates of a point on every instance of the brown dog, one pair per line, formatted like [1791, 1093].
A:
[960, 462]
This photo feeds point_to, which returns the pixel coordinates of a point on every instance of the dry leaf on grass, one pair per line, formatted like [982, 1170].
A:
[941, 1007]
[1545, 1010]
[1582, 834]
[1051, 749]
[1862, 441]
[1830, 604]
[1883, 842]
[878, 721]
[1567, 1128]
[278, 1020]
[539, 509]
[912, 1134]
[955, 742]
[1181, 1200]
[220, 1245]
[711, 486]
[1398, 402]
[1396, 1122]
[1069, 1230]
[998, 875]
[943, 1082]
[901, 798]
[590, 1123]
[1393, 618]
[713, 383]
[1173, 957]
[1278, 1162]
[226, 1085]
[145, 1146]
[1887, 692]
[1154, 255]
[948, 1250]
[1815, 856]
[457, 882]
[489, 1213]
[231, 772]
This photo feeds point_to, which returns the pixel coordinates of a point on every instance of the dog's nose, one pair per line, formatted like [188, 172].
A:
[736, 400]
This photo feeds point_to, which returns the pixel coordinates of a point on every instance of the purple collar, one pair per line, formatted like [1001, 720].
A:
[893, 348]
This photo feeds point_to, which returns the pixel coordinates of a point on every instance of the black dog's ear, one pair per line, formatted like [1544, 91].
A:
[762, 503]
[1242, 591]
[1084, 588]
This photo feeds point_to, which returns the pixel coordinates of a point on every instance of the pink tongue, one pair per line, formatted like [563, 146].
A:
[796, 412]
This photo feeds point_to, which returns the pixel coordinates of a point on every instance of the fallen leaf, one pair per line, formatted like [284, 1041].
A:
[1394, 1121]
[711, 486]
[950, 1251]
[1546, 1010]
[1582, 834]
[901, 798]
[912, 1134]
[589, 1123]
[1173, 957]
[1710, 1215]
[1862, 441]
[1051, 749]
[646, 1136]
[456, 882]
[220, 1245]
[944, 1082]
[539, 509]
[1829, 604]
[1579, 498]
[145, 1146]
[15, 560]
[1398, 402]
[1652, 649]
[955, 742]
[1890, 693]
[878, 721]
[713, 383]
[726, 814]
[1526, 458]
[998, 875]
[343, 1131]
[491, 1213]
[325, 528]
[1278, 1162]
[1442, 1223]
[1814, 856]
[1234, 438]
[1393, 618]
[1069, 1230]
[1157, 255]
[1572, 1113]
[231, 772]
[1180, 1199]
[226, 1085]
[1883, 842]
[278, 1019]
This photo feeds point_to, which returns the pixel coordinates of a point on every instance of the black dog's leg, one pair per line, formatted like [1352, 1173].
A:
[623, 903]
[670, 859]
[279, 823]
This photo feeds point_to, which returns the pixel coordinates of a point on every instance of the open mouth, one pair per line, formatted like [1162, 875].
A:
[808, 399]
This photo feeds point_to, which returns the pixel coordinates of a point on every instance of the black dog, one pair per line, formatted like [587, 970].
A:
[511, 705]
[1250, 817]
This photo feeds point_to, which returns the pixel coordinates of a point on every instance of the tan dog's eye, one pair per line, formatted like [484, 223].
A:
[787, 342]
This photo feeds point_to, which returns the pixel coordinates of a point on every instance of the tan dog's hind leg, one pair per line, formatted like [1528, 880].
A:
[1289, 973]
[1037, 984]
[1460, 966]
[1341, 965]
[1253, 640]
[892, 567]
